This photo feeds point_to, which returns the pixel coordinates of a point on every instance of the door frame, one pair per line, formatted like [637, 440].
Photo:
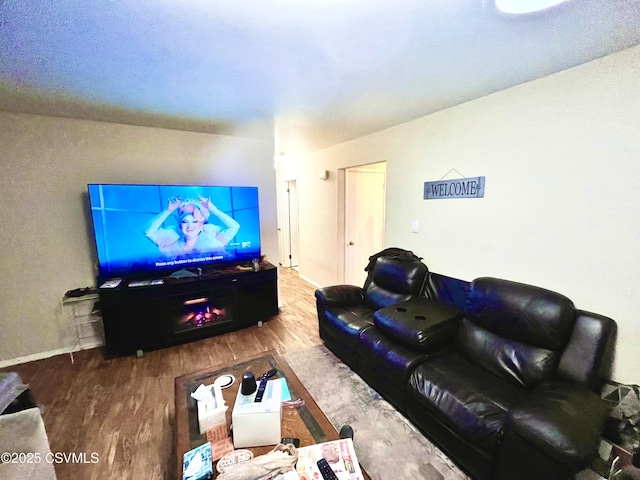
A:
[342, 216]
[288, 231]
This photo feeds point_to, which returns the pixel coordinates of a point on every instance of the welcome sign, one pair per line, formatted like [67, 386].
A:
[472, 187]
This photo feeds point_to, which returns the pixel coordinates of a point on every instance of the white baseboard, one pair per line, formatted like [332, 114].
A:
[308, 280]
[48, 354]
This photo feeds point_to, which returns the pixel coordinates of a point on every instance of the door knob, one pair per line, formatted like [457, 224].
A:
[351, 243]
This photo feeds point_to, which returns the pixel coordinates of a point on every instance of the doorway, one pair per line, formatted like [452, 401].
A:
[364, 218]
[289, 226]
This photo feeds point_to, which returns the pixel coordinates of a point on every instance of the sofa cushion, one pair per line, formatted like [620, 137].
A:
[468, 399]
[420, 323]
[524, 313]
[513, 361]
[562, 419]
[515, 330]
[395, 280]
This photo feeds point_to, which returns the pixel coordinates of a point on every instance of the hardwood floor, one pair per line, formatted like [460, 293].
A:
[123, 408]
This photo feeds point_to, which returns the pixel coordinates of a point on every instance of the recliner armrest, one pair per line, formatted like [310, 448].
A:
[421, 324]
[588, 357]
[340, 295]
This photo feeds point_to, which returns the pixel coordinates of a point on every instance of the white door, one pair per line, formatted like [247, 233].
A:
[288, 230]
[294, 231]
[283, 232]
[364, 218]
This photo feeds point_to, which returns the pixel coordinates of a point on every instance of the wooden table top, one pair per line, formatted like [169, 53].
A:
[303, 420]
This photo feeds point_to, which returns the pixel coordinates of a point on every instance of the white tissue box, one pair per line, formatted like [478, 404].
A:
[256, 424]
[211, 414]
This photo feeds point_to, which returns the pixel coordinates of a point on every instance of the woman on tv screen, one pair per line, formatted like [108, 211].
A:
[194, 233]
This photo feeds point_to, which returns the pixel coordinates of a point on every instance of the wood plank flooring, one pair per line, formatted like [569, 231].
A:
[123, 408]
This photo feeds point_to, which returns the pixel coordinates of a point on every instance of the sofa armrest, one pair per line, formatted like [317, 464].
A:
[588, 357]
[24, 431]
[563, 420]
[340, 295]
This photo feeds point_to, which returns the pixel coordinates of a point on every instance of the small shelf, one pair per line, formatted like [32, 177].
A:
[84, 320]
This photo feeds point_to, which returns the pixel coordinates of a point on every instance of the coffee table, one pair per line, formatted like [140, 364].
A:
[303, 420]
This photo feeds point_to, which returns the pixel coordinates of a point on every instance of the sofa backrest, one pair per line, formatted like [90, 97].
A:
[517, 331]
[393, 280]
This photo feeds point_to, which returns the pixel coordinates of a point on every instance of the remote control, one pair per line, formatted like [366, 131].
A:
[326, 471]
[293, 441]
[261, 387]
[113, 283]
[268, 374]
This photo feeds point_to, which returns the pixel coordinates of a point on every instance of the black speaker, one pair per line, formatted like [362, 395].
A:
[248, 383]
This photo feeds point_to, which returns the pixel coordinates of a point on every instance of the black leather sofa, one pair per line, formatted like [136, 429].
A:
[504, 377]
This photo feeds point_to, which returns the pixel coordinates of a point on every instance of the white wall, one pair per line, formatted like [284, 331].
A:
[45, 246]
[561, 156]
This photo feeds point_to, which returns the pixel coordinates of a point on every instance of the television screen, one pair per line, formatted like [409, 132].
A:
[148, 228]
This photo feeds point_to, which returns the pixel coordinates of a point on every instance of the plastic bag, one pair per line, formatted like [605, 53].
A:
[280, 460]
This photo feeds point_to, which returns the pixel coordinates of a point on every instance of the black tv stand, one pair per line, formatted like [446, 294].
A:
[151, 313]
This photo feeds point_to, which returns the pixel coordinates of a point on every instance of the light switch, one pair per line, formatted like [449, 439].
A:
[415, 226]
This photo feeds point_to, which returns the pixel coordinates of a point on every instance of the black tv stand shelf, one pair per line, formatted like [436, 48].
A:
[146, 314]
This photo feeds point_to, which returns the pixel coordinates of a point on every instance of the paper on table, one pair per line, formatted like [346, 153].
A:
[286, 394]
[221, 448]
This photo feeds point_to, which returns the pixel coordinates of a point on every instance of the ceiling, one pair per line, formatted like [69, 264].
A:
[308, 73]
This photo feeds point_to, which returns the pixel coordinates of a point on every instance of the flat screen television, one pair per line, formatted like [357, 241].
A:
[147, 229]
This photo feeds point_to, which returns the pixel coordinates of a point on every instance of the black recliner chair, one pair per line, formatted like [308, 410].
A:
[346, 310]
